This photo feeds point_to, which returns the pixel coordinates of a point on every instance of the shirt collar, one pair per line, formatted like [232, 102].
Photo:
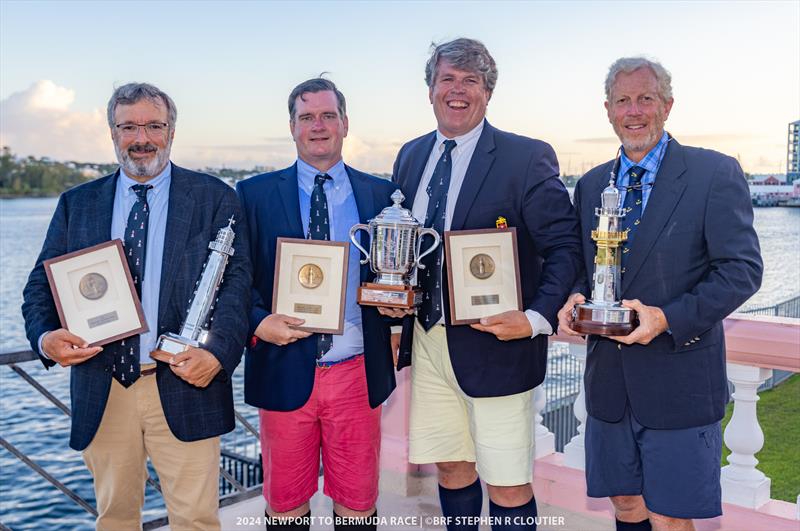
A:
[460, 140]
[650, 162]
[156, 182]
[306, 173]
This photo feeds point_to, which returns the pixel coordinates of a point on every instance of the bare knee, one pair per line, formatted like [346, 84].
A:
[511, 496]
[668, 523]
[629, 508]
[456, 474]
[297, 511]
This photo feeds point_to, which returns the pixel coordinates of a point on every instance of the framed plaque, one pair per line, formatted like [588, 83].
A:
[482, 273]
[94, 294]
[310, 283]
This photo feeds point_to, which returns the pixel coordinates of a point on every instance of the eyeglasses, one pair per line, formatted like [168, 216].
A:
[152, 129]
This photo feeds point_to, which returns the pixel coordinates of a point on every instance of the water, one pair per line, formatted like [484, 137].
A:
[39, 429]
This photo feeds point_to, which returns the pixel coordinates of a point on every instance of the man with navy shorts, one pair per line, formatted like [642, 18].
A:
[655, 398]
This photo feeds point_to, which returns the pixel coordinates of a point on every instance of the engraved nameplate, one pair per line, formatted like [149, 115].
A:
[308, 308]
[100, 320]
[481, 300]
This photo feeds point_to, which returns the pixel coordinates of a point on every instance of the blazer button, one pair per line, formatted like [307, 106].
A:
[619, 346]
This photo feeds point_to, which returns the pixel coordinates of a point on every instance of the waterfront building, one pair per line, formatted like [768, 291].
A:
[793, 152]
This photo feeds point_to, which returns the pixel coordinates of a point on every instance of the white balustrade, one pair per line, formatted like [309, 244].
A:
[574, 450]
[545, 441]
[742, 483]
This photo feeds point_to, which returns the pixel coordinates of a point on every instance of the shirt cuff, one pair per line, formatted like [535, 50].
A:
[396, 329]
[41, 350]
[539, 324]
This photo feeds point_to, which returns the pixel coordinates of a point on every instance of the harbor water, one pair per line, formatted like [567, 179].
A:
[32, 424]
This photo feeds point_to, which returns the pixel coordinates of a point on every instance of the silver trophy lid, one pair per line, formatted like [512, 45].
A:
[395, 214]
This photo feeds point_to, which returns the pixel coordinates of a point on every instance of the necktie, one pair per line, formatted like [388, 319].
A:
[430, 311]
[126, 359]
[633, 209]
[319, 229]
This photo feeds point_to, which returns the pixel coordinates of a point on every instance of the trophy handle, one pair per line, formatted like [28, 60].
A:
[353, 230]
[436, 241]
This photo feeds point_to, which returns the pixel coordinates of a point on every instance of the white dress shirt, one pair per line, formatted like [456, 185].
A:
[460, 157]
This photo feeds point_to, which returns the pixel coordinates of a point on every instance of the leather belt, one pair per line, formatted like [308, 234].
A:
[147, 370]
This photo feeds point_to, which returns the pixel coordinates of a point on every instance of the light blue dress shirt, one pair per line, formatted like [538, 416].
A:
[157, 202]
[342, 215]
[650, 162]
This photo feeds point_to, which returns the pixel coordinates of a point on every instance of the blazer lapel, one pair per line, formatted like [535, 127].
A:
[105, 212]
[666, 193]
[179, 222]
[417, 166]
[287, 188]
[482, 160]
[365, 203]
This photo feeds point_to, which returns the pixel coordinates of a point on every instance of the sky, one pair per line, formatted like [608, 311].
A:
[230, 66]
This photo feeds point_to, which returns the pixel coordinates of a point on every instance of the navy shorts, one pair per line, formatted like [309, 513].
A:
[676, 471]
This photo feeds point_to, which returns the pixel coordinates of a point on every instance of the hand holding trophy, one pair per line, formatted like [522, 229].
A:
[194, 331]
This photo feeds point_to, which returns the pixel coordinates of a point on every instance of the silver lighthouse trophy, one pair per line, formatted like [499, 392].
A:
[395, 245]
[194, 331]
[603, 314]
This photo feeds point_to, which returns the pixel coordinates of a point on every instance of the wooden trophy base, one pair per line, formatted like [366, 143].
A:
[603, 320]
[404, 297]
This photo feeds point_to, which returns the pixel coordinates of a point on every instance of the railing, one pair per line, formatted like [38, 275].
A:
[240, 474]
[788, 308]
[755, 347]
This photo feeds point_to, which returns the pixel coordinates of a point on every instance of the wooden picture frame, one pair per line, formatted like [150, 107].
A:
[94, 294]
[311, 283]
[482, 273]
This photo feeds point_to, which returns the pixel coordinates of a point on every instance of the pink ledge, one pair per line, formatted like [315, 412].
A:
[757, 340]
[560, 486]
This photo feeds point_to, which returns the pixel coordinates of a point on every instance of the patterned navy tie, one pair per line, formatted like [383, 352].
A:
[430, 311]
[126, 360]
[320, 229]
[633, 209]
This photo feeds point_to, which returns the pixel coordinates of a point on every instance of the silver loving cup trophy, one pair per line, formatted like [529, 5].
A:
[395, 245]
[604, 314]
[194, 331]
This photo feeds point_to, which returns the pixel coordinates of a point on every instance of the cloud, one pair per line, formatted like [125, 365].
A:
[39, 121]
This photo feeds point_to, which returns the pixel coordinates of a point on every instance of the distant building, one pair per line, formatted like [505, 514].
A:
[793, 152]
[768, 179]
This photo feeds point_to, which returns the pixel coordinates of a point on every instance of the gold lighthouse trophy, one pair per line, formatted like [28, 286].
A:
[603, 314]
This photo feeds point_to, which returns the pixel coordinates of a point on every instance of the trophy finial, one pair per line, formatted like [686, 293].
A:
[398, 197]
[231, 221]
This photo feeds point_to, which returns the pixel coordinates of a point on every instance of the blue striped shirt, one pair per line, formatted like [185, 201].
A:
[650, 163]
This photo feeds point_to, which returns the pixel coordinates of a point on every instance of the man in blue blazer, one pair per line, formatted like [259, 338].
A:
[472, 385]
[318, 393]
[125, 407]
[655, 398]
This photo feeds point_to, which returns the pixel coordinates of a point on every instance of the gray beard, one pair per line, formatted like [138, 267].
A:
[143, 169]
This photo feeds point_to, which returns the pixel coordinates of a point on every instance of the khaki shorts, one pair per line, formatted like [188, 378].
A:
[447, 425]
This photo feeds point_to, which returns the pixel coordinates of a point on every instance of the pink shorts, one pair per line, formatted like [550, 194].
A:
[337, 420]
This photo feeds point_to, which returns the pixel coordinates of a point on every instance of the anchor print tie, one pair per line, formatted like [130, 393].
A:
[126, 360]
[319, 229]
[430, 278]
[633, 210]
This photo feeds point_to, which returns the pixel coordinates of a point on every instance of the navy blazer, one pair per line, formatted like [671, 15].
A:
[696, 256]
[515, 177]
[281, 378]
[199, 205]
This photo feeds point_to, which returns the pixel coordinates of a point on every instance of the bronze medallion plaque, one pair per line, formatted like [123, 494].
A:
[310, 276]
[93, 286]
[481, 266]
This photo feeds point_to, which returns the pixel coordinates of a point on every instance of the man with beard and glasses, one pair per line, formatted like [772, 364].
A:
[655, 398]
[125, 407]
